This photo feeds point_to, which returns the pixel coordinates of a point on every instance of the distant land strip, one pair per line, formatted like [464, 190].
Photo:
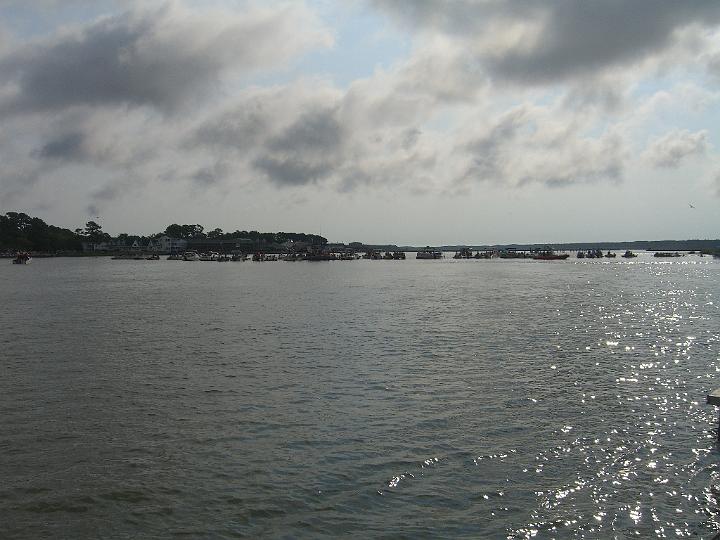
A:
[19, 231]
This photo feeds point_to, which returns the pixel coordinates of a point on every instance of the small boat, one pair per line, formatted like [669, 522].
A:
[347, 256]
[667, 254]
[611, 255]
[223, 258]
[175, 257]
[580, 254]
[239, 257]
[191, 256]
[508, 253]
[464, 253]
[388, 256]
[629, 255]
[550, 255]
[22, 257]
[153, 257]
[372, 254]
[429, 253]
[399, 255]
[211, 256]
[322, 256]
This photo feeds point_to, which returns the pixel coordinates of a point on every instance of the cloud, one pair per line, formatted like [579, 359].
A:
[670, 150]
[539, 145]
[114, 106]
[159, 57]
[531, 41]
[66, 147]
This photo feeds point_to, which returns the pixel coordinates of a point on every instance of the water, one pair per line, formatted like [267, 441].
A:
[385, 399]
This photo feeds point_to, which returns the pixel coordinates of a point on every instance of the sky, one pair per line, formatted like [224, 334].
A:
[413, 122]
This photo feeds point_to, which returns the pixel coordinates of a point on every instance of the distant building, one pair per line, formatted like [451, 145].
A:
[167, 244]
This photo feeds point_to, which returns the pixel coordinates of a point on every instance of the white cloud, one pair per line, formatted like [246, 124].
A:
[670, 150]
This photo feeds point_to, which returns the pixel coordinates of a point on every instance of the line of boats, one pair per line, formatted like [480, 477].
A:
[598, 254]
[322, 254]
[349, 255]
[373, 254]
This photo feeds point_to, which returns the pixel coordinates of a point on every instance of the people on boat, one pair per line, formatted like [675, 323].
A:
[22, 257]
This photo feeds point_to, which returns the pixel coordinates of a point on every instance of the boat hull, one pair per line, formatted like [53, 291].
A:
[561, 257]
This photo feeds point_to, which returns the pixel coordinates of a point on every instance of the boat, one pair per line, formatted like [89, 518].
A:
[399, 255]
[320, 256]
[667, 254]
[318, 253]
[429, 253]
[348, 255]
[153, 257]
[508, 253]
[629, 255]
[611, 255]
[549, 255]
[210, 256]
[580, 254]
[191, 256]
[372, 254]
[464, 253]
[223, 258]
[388, 256]
[239, 257]
[22, 257]
[175, 257]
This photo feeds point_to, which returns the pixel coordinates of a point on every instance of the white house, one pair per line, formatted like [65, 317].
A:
[167, 244]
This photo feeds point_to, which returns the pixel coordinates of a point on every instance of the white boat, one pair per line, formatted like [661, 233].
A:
[429, 253]
[211, 256]
[191, 256]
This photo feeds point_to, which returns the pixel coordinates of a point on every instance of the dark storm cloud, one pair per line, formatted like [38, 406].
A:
[157, 57]
[562, 38]
[105, 63]
[292, 171]
[239, 129]
[66, 147]
[315, 131]
[307, 151]
[208, 176]
[489, 151]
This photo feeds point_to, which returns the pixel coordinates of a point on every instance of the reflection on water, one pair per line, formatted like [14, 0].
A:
[421, 398]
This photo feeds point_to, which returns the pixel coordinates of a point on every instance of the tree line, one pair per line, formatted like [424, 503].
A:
[19, 231]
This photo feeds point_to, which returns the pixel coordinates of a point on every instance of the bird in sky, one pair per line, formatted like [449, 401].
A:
[691, 206]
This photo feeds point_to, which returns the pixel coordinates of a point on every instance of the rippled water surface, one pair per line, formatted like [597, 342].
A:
[477, 399]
